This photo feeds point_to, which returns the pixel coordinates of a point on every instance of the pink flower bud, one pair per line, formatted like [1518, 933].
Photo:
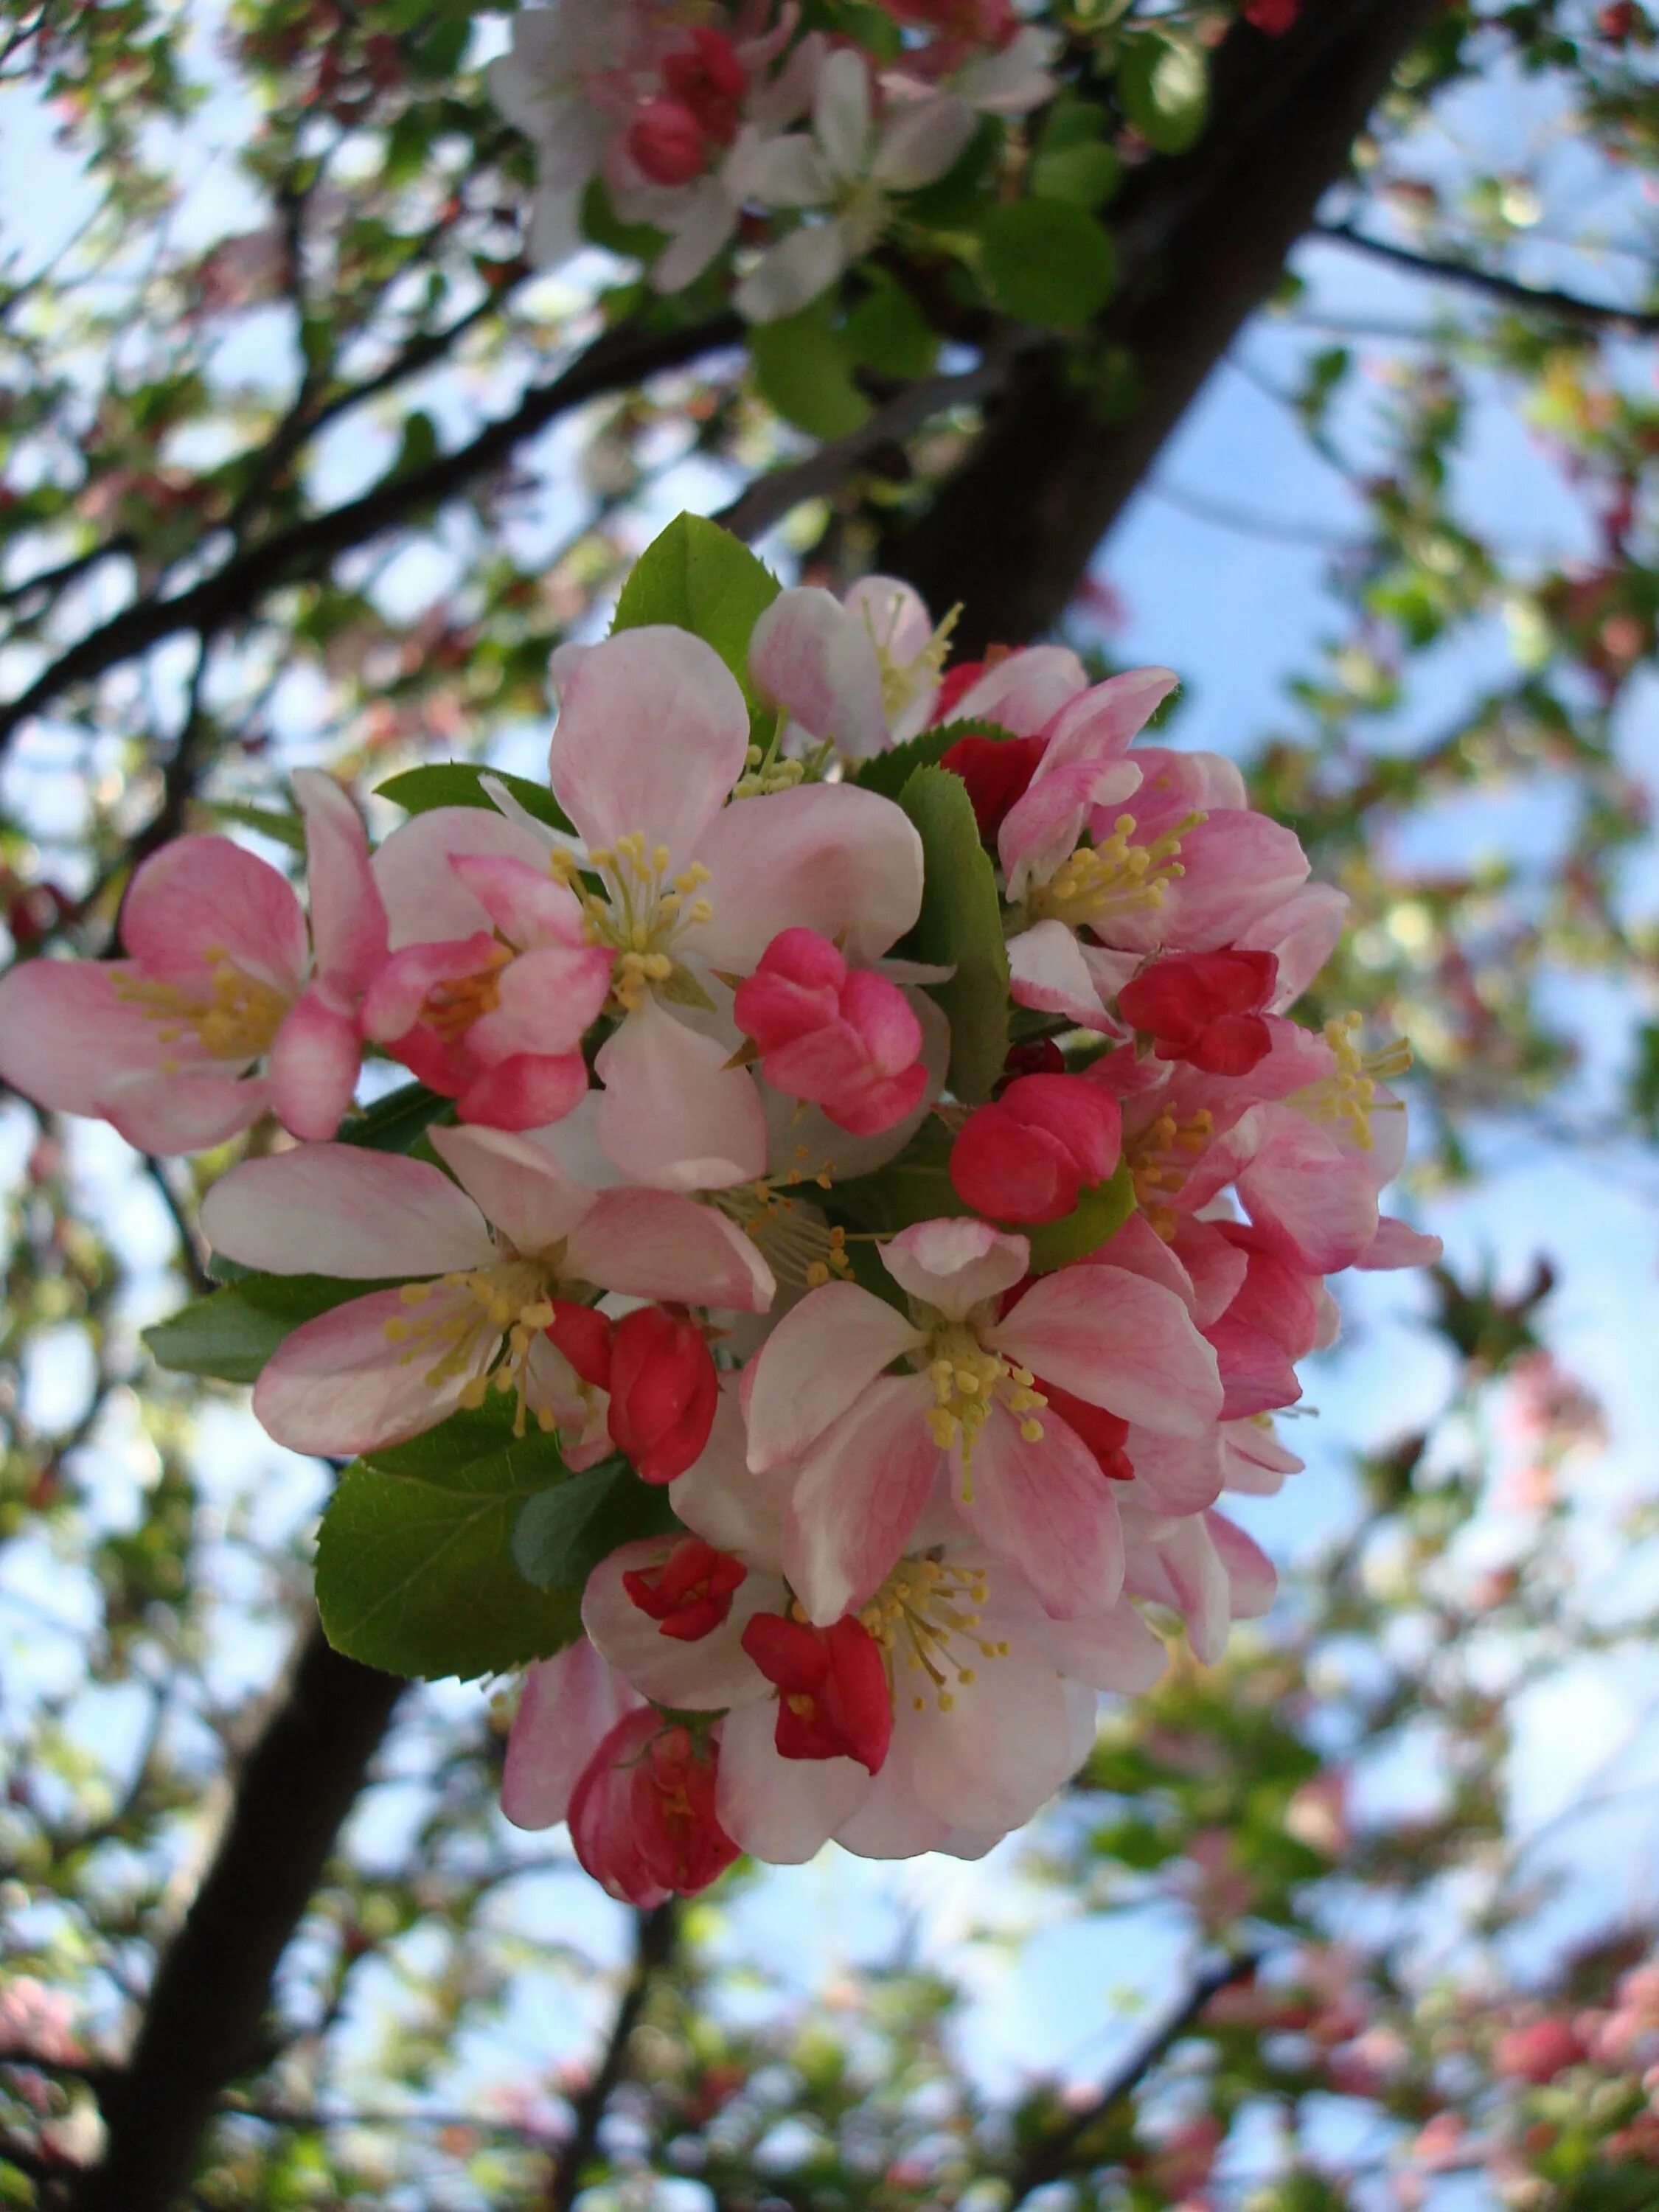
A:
[1537, 2053]
[1205, 1008]
[664, 1391]
[847, 1040]
[997, 771]
[834, 1701]
[667, 141]
[642, 1816]
[1029, 1155]
[583, 1334]
[708, 78]
[689, 1594]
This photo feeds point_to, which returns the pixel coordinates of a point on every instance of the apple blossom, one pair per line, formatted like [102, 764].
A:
[847, 1040]
[1028, 1155]
[642, 1813]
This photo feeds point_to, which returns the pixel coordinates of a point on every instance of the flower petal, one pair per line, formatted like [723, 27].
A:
[1119, 1341]
[314, 1061]
[673, 1114]
[955, 1265]
[340, 1384]
[794, 272]
[200, 901]
[1047, 971]
[827, 856]
[705, 1676]
[814, 1365]
[783, 1810]
[658, 1244]
[343, 1210]
[859, 1494]
[513, 1183]
[1046, 1509]
[567, 1708]
[347, 921]
[426, 901]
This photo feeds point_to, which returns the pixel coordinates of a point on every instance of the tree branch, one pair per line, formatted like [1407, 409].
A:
[615, 361]
[202, 2019]
[1056, 2155]
[1530, 298]
[655, 1936]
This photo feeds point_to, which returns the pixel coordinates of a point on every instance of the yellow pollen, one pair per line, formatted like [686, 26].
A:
[640, 913]
[1115, 877]
[797, 1243]
[920, 1618]
[454, 1004]
[489, 1327]
[969, 1379]
[1161, 1157]
[1347, 1095]
[232, 1015]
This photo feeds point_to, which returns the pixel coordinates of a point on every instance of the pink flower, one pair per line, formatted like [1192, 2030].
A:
[870, 1446]
[567, 1708]
[834, 1700]
[1538, 2052]
[1205, 1008]
[860, 674]
[642, 1815]
[1199, 1565]
[663, 1392]
[846, 1039]
[1022, 691]
[1029, 1156]
[218, 1015]
[651, 738]
[480, 1265]
[493, 983]
[997, 772]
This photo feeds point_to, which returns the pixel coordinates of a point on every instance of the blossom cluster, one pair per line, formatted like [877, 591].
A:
[861, 1112]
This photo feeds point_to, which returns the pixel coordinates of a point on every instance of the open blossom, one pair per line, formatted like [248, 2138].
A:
[221, 1011]
[480, 1262]
[862, 673]
[846, 1039]
[643, 1815]
[870, 1447]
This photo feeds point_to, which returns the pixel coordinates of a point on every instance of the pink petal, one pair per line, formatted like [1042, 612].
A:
[1397, 1245]
[1113, 1650]
[701, 1676]
[549, 998]
[1042, 828]
[426, 901]
[659, 1244]
[200, 901]
[187, 1113]
[515, 1184]
[567, 1708]
[340, 1385]
[395, 999]
[313, 1065]
[1003, 1747]
[826, 856]
[527, 905]
[822, 1354]
[813, 659]
[956, 1265]
[1257, 1376]
[1047, 1510]
[1118, 1341]
[651, 737]
[673, 1112]
[347, 921]
[1179, 1475]
[343, 1210]
[783, 1810]
[527, 1090]
[1252, 1579]
[1317, 1200]
[719, 1500]
[66, 1036]
[1048, 972]
[1024, 691]
[860, 1493]
[1138, 1249]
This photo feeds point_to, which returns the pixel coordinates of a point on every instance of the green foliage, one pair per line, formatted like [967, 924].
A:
[1099, 1213]
[1162, 81]
[461, 783]
[888, 772]
[561, 1534]
[960, 926]
[700, 577]
[231, 1333]
[1047, 262]
[804, 368]
[887, 333]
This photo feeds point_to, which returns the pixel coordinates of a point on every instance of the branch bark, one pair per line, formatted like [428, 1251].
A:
[201, 2020]
[1527, 299]
[655, 1935]
[1203, 239]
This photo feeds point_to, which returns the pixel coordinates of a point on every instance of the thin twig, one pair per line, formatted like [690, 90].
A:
[1531, 299]
[655, 1936]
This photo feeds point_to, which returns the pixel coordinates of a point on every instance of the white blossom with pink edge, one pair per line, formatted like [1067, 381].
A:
[859, 674]
[478, 1260]
[651, 741]
[221, 1012]
[969, 1419]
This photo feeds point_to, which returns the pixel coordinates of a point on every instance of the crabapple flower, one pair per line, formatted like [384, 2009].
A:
[1205, 1008]
[663, 1390]
[834, 1698]
[846, 1039]
[220, 1012]
[1029, 1156]
[848, 167]
[567, 1706]
[861, 674]
[651, 739]
[480, 1262]
[642, 1815]
[490, 1015]
[870, 1446]
[997, 772]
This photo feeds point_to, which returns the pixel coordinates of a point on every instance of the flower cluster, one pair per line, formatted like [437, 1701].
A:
[707, 125]
[862, 1132]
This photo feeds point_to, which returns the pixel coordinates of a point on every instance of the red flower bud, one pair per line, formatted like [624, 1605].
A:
[642, 1816]
[833, 1698]
[1205, 1008]
[1104, 1433]
[708, 78]
[844, 1038]
[1029, 1156]
[667, 141]
[1275, 17]
[664, 1390]
[1042, 1056]
[583, 1334]
[997, 771]
[690, 1593]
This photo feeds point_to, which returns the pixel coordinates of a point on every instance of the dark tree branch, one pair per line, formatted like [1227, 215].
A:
[203, 2017]
[1530, 298]
[655, 1936]
[614, 362]
[1062, 2151]
[1203, 239]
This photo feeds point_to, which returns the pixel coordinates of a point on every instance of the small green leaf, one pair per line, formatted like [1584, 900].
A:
[804, 368]
[1085, 175]
[888, 772]
[284, 829]
[956, 201]
[396, 1123]
[960, 926]
[461, 783]
[415, 1572]
[704, 579]
[1047, 262]
[230, 1333]
[563, 1533]
[889, 333]
[1099, 1213]
[916, 1186]
[1163, 80]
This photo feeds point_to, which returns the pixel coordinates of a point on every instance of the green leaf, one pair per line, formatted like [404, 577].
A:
[916, 1186]
[285, 829]
[1047, 262]
[1098, 1214]
[956, 202]
[803, 369]
[1084, 175]
[960, 925]
[396, 1123]
[1162, 81]
[461, 783]
[602, 226]
[230, 1333]
[563, 1533]
[415, 1572]
[889, 333]
[701, 578]
[888, 772]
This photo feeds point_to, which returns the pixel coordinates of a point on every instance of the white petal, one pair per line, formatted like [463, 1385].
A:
[782, 1810]
[343, 1210]
[673, 1112]
[515, 1184]
[705, 1676]
[955, 1265]
[818, 1359]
